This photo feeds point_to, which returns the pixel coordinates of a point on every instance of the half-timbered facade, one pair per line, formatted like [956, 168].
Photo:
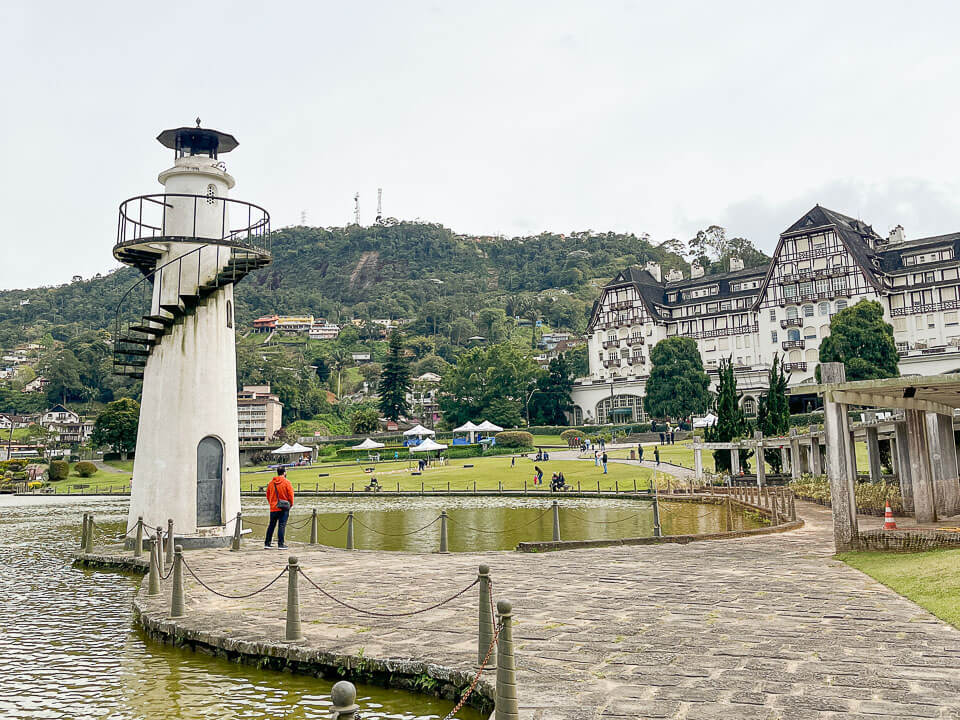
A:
[823, 263]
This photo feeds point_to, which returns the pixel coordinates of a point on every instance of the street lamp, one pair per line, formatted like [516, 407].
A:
[530, 395]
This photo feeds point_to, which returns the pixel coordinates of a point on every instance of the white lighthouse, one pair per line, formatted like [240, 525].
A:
[175, 330]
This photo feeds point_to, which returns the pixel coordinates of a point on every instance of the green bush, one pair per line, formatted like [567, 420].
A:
[12, 465]
[870, 496]
[85, 469]
[568, 436]
[514, 439]
[59, 470]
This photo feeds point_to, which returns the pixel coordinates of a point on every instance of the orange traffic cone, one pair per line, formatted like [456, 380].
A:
[888, 523]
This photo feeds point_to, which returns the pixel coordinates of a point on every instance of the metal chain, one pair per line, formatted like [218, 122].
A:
[412, 532]
[378, 614]
[111, 535]
[498, 532]
[476, 678]
[231, 597]
[325, 528]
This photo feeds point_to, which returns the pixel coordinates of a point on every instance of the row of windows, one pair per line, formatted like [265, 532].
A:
[820, 241]
[928, 257]
[810, 287]
[741, 286]
[924, 297]
[925, 322]
[929, 276]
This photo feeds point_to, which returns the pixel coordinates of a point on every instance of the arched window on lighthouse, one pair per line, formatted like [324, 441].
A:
[211, 194]
[229, 313]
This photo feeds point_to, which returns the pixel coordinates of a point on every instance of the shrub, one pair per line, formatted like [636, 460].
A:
[59, 470]
[514, 439]
[85, 469]
[568, 436]
[13, 465]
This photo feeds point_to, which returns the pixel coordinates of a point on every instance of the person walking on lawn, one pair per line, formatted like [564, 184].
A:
[280, 497]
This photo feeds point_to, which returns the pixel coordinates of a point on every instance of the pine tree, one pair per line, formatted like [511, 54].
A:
[731, 422]
[395, 381]
[773, 415]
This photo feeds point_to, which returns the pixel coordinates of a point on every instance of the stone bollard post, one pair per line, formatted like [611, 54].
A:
[176, 595]
[237, 530]
[153, 579]
[485, 636]
[138, 542]
[159, 545]
[294, 632]
[344, 699]
[506, 703]
[443, 532]
[772, 499]
[90, 527]
[170, 541]
[83, 534]
[657, 530]
[314, 528]
[793, 506]
[556, 521]
[350, 531]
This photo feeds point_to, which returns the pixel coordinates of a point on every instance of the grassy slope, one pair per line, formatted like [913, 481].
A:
[930, 579]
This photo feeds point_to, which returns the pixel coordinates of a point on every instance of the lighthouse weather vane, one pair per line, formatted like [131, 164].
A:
[182, 342]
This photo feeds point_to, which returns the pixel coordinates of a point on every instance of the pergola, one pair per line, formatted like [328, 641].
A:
[926, 448]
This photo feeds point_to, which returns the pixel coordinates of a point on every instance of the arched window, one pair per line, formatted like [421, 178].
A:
[841, 305]
[824, 330]
[808, 310]
[620, 408]
[792, 313]
[823, 308]
[749, 406]
[625, 353]
[211, 194]
[812, 357]
[810, 333]
[229, 313]
[793, 334]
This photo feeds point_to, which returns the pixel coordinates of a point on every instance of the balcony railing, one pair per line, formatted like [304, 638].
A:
[610, 344]
[928, 308]
[793, 344]
[635, 340]
[815, 296]
[637, 360]
[611, 363]
[791, 322]
[790, 367]
[723, 332]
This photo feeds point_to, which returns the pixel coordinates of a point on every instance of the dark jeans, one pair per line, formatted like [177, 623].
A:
[278, 519]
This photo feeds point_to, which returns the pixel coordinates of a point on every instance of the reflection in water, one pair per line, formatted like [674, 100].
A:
[68, 648]
[484, 523]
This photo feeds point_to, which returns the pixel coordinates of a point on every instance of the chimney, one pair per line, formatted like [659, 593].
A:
[674, 276]
[695, 270]
[654, 269]
[736, 264]
[896, 235]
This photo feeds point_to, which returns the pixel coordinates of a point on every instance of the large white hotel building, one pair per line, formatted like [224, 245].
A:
[823, 263]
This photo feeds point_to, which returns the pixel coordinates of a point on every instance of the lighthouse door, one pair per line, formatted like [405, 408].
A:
[209, 482]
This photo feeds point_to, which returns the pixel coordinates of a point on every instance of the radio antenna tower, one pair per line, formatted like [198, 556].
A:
[356, 208]
[303, 217]
[379, 205]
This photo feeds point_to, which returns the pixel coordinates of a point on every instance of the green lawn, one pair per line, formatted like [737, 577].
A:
[930, 579]
[102, 480]
[486, 473]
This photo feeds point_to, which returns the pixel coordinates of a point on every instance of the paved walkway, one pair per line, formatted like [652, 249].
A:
[763, 628]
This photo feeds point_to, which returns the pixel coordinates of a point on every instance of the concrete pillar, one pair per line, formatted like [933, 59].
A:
[735, 461]
[836, 425]
[894, 465]
[784, 461]
[761, 467]
[900, 445]
[805, 458]
[293, 631]
[443, 531]
[816, 459]
[873, 453]
[921, 477]
[943, 463]
[506, 704]
[485, 635]
[698, 463]
[794, 455]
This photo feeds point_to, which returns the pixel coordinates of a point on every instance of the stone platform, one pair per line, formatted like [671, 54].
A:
[767, 627]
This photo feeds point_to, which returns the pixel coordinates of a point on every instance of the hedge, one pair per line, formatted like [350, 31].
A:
[59, 470]
[85, 469]
[870, 496]
[514, 439]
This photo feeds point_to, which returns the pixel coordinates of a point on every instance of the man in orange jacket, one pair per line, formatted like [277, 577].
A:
[280, 497]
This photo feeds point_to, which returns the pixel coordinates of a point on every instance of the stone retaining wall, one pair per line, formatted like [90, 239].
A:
[913, 540]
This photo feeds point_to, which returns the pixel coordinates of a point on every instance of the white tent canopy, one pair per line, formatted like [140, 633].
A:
[294, 449]
[708, 420]
[428, 445]
[466, 427]
[298, 448]
[284, 449]
[489, 427]
[418, 431]
[368, 444]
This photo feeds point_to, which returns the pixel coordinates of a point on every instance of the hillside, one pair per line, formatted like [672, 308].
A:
[379, 271]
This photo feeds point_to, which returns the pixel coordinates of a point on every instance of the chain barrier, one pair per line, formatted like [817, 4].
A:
[500, 532]
[404, 534]
[111, 536]
[601, 522]
[388, 615]
[476, 678]
[333, 530]
[232, 597]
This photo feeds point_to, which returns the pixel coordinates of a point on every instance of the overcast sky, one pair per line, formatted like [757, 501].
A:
[491, 117]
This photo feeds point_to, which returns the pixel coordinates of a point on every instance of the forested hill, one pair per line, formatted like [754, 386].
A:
[388, 270]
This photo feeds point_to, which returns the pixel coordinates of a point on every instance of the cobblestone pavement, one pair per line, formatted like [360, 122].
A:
[761, 628]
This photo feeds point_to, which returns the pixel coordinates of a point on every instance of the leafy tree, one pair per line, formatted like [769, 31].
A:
[116, 427]
[395, 381]
[712, 249]
[731, 422]
[62, 369]
[579, 361]
[551, 398]
[493, 323]
[677, 386]
[488, 382]
[862, 341]
[431, 363]
[371, 373]
[364, 420]
[773, 414]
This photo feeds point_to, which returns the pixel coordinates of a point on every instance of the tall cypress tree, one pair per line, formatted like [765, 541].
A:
[731, 422]
[773, 415]
[395, 381]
